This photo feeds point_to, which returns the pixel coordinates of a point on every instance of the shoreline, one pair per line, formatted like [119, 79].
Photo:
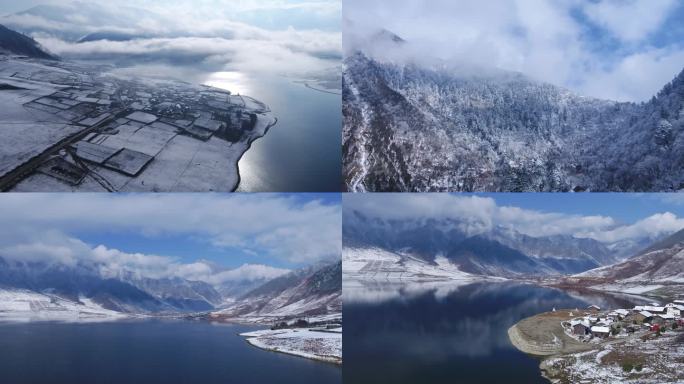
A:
[543, 336]
[254, 339]
[306, 84]
[323, 359]
[564, 359]
[249, 145]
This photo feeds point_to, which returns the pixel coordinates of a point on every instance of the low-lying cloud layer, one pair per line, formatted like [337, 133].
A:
[273, 226]
[621, 50]
[202, 34]
[481, 214]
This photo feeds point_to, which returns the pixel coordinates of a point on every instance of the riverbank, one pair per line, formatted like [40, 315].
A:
[316, 344]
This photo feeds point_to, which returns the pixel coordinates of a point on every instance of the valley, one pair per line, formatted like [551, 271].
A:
[305, 306]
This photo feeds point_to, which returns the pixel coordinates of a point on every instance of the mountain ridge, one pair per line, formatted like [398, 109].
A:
[19, 44]
[408, 128]
[477, 250]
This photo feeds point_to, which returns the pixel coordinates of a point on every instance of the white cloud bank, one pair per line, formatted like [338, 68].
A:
[598, 48]
[197, 33]
[630, 20]
[38, 228]
[481, 214]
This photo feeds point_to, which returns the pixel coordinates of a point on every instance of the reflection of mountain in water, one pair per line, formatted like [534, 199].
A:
[437, 331]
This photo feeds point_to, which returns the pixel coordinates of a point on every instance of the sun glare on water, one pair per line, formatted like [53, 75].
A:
[235, 82]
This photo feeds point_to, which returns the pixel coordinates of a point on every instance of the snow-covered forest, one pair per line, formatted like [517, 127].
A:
[408, 127]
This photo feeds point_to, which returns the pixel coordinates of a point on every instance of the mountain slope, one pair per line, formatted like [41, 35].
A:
[18, 44]
[410, 127]
[473, 247]
[306, 292]
[663, 262]
[118, 293]
[182, 294]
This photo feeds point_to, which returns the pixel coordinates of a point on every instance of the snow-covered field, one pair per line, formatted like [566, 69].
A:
[379, 264]
[45, 114]
[25, 306]
[274, 311]
[317, 344]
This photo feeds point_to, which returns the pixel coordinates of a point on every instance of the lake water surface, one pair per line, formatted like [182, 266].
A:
[302, 153]
[147, 352]
[446, 333]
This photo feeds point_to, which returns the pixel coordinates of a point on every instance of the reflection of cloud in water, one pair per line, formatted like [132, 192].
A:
[375, 292]
[437, 321]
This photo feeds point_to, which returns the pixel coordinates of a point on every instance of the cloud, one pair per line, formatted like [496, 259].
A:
[276, 226]
[478, 214]
[113, 263]
[50, 246]
[575, 44]
[245, 272]
[642, 74]
[297, 54]
[630, 20]
[652, 226]
[53, 247]
[205, 34]
[670, 198]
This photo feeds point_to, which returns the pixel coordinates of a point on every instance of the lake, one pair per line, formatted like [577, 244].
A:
[147, 352]
[446, 333]
[303, 151]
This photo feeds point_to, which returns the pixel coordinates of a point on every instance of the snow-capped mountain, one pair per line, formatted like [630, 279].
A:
[662, 263]
[471, 248]
[15, 43]
[82, 288]
[419, 127]
[182, 294]
[125, 293]
[306, 292]
[80, 16]
[378, 264]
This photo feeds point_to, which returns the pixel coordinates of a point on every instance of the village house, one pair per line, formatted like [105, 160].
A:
[640, 317]
[674, 309]
[597, 324]
[664, 319]
[598, 331]
[580, 327]
[656, 310]
[622, 313]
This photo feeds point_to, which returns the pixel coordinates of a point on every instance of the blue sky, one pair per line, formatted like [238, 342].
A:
[189, 247]
[175, 235]
[624, 50]
[625, 207]
[607, 218]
